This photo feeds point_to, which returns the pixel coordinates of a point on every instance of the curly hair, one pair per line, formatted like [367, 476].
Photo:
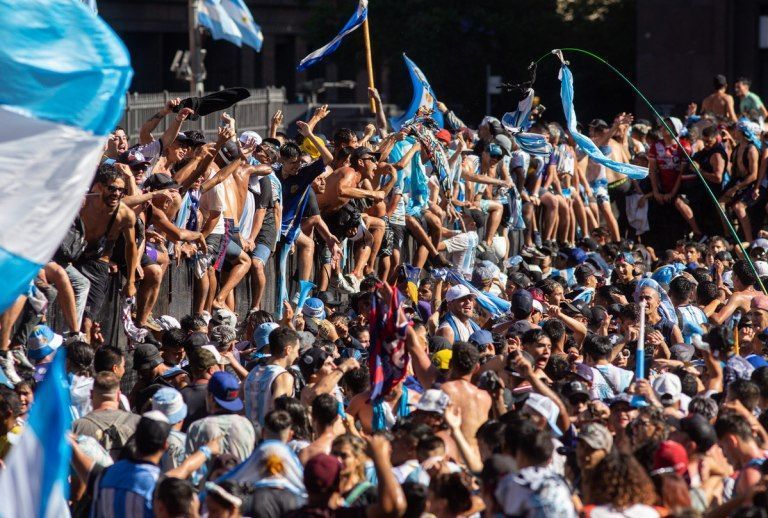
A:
[619, 481]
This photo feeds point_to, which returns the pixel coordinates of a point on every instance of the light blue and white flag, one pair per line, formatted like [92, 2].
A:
[62, 90]
[213, 16]
[34, 481]
[495, 306]
[357, 19]
[250, 32]
[518, 122]
[585, 143]
[422, 96]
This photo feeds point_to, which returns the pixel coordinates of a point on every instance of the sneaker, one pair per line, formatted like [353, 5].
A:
[537, 239]
[73, 336]
[22, 359]
[8, 365]
[441, 261]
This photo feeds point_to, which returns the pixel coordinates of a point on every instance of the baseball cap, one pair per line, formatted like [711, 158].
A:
[443, 135]
[201, 359]
[216, 354]
[670, 454]
[223, 316]
[442, 359]
[457, 292]
[327, 298]
[167, 322]
[596, 436]
[521, 303]
[519, 279]
[520, 327]
[152, 431]
[321, 473]
[191, 138]
[312, 361]
[700, 431]
[547, 408]
[438, 343]
[682, 352]
[583, 272]
[433, 400]
[173, 371]
[481, 337]
[625, 257]
[261, 335]
[42, 342]
[537, 306]
[169, 401]
[225, 389]
[146, 356]
[361, 151]
[132, 158]
[250, 135]
[313, 308]
[584, 371]
[158, 181]
[195, 341]
[598, 123]
[484, 271]
[575, 388]
[668, 388]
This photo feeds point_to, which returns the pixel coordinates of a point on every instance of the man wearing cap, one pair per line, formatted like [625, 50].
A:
[594, 443]
[169, 149]
[148, 363]
[202, 366]
[458, 324]
[169, 401]
[223, 403]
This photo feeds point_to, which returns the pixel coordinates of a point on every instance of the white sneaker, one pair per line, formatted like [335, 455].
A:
[8, 365]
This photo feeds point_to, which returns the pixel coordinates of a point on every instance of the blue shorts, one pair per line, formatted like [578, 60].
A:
[261, 252]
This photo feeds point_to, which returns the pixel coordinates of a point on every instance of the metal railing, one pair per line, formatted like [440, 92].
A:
[252, 113]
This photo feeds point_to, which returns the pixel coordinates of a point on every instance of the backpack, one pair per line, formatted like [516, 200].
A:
[73, 244]
[115, 436]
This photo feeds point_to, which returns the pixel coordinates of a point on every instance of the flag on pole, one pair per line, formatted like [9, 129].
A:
[212, 15]
[250, 32]
[422, 96]
[585, 143]
[389, 358]
[357, 19]
[34, 480]
[63, 83]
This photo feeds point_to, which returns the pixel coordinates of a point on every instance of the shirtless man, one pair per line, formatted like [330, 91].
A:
[355, 183]
[719, 103]
[473, 402]
[159, 230]
[744, 281]
[327, 424]
[105, 217]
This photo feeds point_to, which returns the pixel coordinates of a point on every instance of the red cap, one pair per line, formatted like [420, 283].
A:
[321, 474]
[537, 294]
[671, 454]
[443, 135]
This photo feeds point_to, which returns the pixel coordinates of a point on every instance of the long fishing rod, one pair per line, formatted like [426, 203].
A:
[558, 53]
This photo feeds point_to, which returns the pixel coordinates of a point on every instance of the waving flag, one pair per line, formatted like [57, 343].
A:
[213, 16]
[357, 19]
[493, 305]
[63, 83]
[388, 359]
[250, 32]
[422, 96]
[518, 121]
[34, 480]
[585, 143]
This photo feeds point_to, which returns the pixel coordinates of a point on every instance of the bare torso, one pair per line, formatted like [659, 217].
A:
[717, 104]
[96, 217]
[332, 200]
[474, 403]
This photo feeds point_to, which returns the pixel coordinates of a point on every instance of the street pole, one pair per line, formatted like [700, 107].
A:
[368, 58]
[195, 51]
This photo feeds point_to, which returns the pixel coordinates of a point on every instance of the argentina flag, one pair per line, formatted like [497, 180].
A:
[250, 32]
[34, 481]
[62, 89]
[357, 19]
[585, 143]
[213, 16]
[422, 96]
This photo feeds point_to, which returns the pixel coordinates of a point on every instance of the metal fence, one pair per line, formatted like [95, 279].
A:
[252, 113]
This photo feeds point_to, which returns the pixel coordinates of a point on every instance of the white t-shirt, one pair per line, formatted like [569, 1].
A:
[215, 201]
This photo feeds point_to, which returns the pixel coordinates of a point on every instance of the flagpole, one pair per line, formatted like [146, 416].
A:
[195, 51]
[368, 59]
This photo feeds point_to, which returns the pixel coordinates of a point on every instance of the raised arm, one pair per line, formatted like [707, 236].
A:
[381, 118]
[275, 123]
[423, 368]
[221, 175]
[306, 131]
[145, 133]
[392, 503]
[320, 113]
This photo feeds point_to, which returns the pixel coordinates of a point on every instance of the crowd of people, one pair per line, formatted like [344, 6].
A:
[505, 339]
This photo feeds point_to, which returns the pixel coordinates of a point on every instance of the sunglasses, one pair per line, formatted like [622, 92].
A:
[113, 189]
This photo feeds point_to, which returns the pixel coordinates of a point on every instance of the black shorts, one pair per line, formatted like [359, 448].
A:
[97, 272]
[398, 236]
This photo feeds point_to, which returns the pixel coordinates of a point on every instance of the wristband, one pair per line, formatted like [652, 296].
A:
[205, 450]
